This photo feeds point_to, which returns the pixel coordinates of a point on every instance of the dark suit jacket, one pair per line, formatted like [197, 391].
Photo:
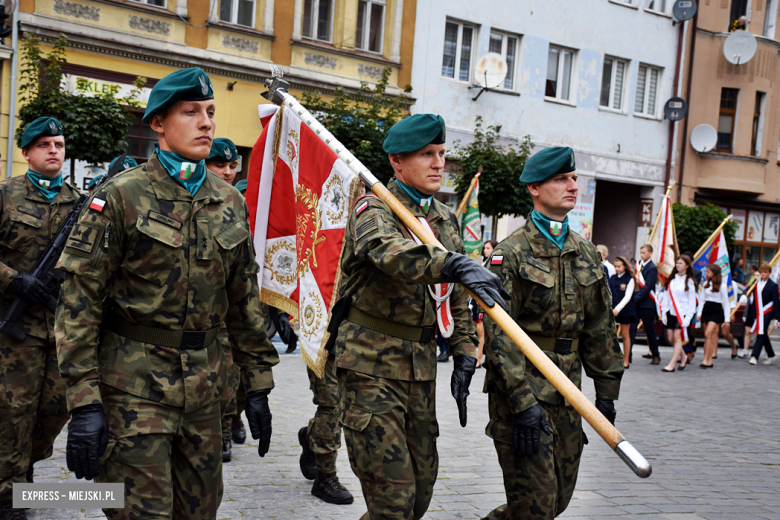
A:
[642, 296]
[770, 293]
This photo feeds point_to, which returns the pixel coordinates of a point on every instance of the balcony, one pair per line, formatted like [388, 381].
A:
[732, 172]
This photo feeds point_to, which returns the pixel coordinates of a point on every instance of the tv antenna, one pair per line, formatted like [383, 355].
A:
[740, 47]
[704, 138]
[490, 73]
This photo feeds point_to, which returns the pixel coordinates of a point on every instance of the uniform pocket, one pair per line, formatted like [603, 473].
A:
[23, 231]
[156, 252]
[365, 454]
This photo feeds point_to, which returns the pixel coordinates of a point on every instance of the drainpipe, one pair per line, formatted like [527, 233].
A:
[676, 90]
[9, 159]
[688, 99]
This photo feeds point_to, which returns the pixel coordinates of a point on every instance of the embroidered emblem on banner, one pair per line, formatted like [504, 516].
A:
[280, 260]
[307, 223]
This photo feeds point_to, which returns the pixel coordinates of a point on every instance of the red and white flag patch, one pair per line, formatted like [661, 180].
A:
[97, 204]
[497, 260]
[361, 208]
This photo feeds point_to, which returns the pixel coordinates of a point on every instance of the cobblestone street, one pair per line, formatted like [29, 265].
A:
[710, 435]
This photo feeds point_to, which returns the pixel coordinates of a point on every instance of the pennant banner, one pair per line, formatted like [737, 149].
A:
[665, 241]
[471, 224]
[299, 195]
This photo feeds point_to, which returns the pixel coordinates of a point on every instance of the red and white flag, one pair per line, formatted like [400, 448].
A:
[665, 250]
[299, 195]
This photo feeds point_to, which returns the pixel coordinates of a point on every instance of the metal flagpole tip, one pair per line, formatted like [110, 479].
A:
[634, 459]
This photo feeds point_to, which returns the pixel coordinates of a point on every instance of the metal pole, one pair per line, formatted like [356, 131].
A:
[9, 158]
[468, 193]
[625, 450]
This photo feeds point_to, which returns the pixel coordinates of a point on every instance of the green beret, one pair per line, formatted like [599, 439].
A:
[241, 185]
[94, 181]
[41, 127]
[415, 132]
[128, 163]
[544, 164]
[183, 85]
[223, 150]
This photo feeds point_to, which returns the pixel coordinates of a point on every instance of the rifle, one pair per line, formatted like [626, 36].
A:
[44, 268]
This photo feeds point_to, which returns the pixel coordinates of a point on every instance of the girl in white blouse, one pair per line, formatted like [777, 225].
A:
[678, 307]
[714, 310]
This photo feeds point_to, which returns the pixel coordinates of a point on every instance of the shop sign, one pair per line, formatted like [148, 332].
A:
[772, 228]
[95, 87]
[581, 219]
[755, 226]
[645, 212]
[738, 216]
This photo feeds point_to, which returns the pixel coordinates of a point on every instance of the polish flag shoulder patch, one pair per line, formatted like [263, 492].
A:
[360, 209]
[497, 260]
[97, 205]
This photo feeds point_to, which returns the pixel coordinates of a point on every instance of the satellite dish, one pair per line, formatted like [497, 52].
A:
[740, 47]
[675, 109]
[491, 71]
[704, 138]
[684, 9]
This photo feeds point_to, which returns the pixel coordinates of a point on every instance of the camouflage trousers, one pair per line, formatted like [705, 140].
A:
[32, 407]
[169, 461]
[390, 428]
[539, 487]
[324, 427]
[234, 399]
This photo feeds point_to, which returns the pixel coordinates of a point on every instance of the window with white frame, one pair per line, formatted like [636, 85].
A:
[317, 19]
[158, 3]
[560, 62]
[647, 90]
[370, 24]
[458, 49]
[659, 6]
[612, 83]
[506, 46]
[237, 12]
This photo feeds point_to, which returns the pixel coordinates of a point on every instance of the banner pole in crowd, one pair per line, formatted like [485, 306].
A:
[658, 217]
[712, 238]
[278, 94]
[772, 263]
[468, 193]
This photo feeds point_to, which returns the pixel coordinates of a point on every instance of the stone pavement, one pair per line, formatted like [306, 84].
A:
[712, 437]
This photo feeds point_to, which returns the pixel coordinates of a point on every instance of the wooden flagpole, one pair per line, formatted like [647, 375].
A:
[658, 217]
[712, 237]
[468, 193]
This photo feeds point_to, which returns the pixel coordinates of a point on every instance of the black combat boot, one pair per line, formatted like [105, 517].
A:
[227, 449]
[328, 488]
[444, 356]
[239, 433]
[7, 512]
[308, 464]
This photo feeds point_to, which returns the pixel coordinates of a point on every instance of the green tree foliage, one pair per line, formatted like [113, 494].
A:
[500, 190]
[695, 224]
[360, 121]
[95, 126]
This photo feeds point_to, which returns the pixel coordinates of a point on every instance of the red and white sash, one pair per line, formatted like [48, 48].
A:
[679, 315]
[761, 311]
[641, 279]
[440, 292]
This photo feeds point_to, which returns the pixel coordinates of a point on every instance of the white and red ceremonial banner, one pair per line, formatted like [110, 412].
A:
[299, 195]
[665, 251]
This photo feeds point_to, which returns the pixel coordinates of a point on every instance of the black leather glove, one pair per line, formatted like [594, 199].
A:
[525, 430]
[32, 291]
[607, 409]
[259, 416]
[87, 440]
[465, 366]
[462, 269]
[286, 331]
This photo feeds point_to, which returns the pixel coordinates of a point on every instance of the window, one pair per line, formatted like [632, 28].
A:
[140, 139]
[158, 3]
[317, 19]
[560, 62]
[658, 6]
[738, 8]
[646, 90]
[758, 125]
[237, 12]
[458, 47]
[506, 46]
[369, 25]
[612, 81]
[770, 14]
[728, 112]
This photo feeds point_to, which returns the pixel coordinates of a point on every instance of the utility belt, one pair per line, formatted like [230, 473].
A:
[181, 339]
[390, 328]
[557, 345]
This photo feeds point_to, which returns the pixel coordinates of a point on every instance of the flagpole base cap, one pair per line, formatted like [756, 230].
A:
[634, 459]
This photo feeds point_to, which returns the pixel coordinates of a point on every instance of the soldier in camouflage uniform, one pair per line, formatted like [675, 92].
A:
[32, 393]
[385, 352]
[561, 299]
[167, 246]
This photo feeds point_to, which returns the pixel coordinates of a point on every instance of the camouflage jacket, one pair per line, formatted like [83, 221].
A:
[384, 274]
[27, 223]
[161, 258]
[556, 293]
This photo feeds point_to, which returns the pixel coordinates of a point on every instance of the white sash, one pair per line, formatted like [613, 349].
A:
[761, 311]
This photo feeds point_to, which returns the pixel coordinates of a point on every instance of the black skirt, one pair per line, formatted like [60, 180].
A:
[671, 321]
[620, 318]
[712, 311]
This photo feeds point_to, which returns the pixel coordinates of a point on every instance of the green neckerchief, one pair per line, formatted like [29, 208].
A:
[184, 171]
[421, 199]
[553, 230]
[46, 185]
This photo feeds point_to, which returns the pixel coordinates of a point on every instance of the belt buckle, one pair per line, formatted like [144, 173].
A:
[563, 345]
[192, 339]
